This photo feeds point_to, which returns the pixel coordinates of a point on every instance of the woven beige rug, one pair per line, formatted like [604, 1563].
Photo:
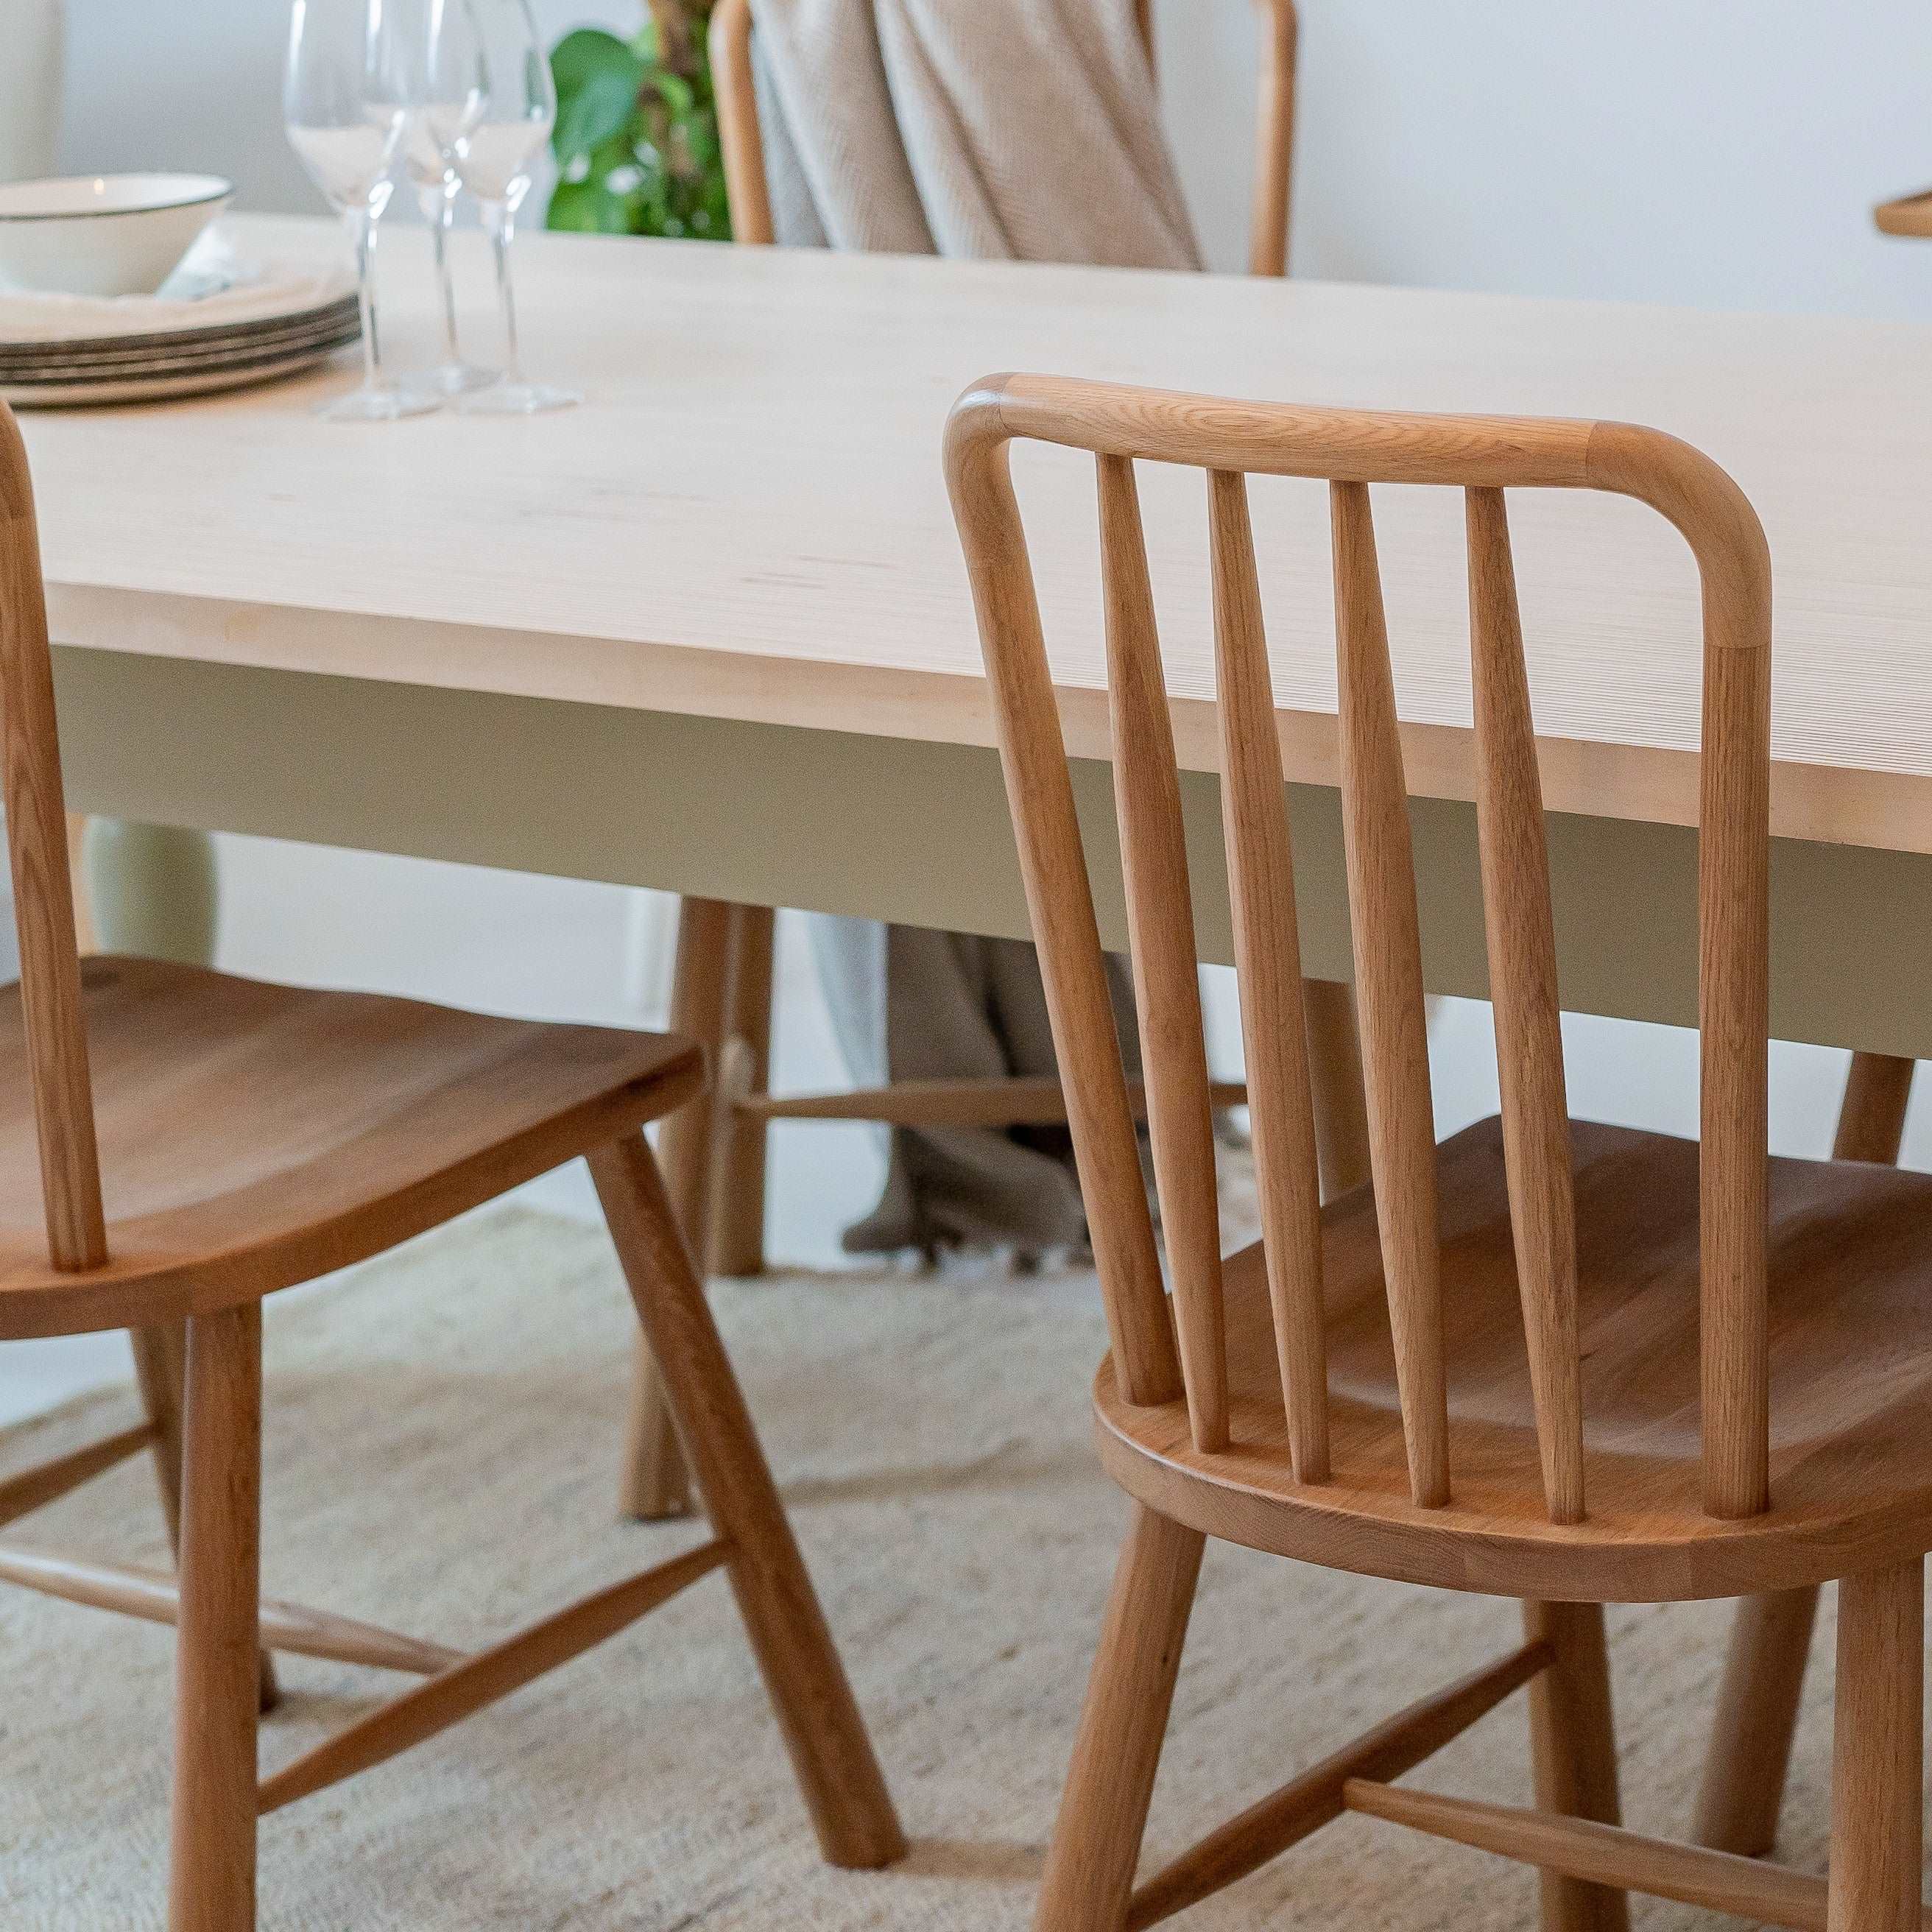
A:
[441, 1435]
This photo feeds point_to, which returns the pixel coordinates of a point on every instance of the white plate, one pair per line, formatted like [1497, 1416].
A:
[152, 388]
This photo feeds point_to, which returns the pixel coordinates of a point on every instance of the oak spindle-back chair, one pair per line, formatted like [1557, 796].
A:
[175, 1183]
[714, 1149]
[1536, 1361]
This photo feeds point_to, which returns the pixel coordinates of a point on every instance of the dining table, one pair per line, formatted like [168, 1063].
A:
[710, 631]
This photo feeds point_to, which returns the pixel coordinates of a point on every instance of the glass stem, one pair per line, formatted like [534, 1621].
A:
[442, 218]
[363, 222]
[502, 222]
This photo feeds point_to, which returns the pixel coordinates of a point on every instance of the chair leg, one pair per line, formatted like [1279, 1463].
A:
[1764, 1674]
[158, 1356]
[1335, 1077]
[847, 1795]
[1096, 1839]
[1877, 1752]
[1573, 1749]
[212, 1874]
[655, 1483]
[1749, 1754]
[737, 1243]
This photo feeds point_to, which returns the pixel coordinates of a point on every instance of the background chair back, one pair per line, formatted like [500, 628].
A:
[37, 842]
[737, 91]
[1351, 449]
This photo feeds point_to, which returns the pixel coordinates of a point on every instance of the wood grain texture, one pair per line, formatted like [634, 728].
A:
[33, 1489]
[471, 1684]
[737, 1241]
[1097, 1839]
[1027, 1101]
[1335, 1073]
[1388, 992]
[1878, 1752]
[1268, 952]
[1850, 1285]
[1749, 1751]
[218, 1189]
[1599, 1855]
[1167, 981]
[1274, 138]
[806, 483]
[155, 1597]
[654, 1482]
[1040, 794]
[1729, 1291]
[1749, 1755]
[212, 1867]
[1316, 1798]
[734, 89]
[1521, 944]
[1573, 1752]
[48, 997]
[844, 1790]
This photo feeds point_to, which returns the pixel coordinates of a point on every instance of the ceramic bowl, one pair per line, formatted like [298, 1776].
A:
[103, 235]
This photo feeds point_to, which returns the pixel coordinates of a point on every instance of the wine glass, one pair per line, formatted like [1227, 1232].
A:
[492, 104]
[437, 186]
[343, 103]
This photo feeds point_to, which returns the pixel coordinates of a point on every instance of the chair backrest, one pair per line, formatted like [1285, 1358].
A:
[733, 83]
[42, 889]
[1351, 449]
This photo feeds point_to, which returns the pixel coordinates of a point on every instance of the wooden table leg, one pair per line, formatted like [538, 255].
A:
[655, 1483]
[1335, 1075]
[1750, 1753]
[737, 1245]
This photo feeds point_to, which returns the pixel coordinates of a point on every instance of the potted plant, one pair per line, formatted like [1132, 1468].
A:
[636, 130]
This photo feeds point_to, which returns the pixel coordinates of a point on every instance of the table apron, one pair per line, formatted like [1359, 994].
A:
[919, 833]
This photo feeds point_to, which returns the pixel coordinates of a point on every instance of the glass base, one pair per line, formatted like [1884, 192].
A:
[382, 403]
[453, 379]
[516, 399]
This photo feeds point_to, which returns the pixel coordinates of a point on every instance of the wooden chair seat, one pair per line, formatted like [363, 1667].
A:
[1851, 1329]
[252, 1136]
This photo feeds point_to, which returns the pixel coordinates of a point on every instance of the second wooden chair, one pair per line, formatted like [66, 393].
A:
[1398, 1383]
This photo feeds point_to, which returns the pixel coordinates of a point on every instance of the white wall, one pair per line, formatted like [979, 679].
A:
[1717, 152]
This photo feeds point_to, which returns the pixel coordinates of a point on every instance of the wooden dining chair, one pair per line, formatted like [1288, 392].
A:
[1538, 1360]
[715, 1151]
[175, 1145]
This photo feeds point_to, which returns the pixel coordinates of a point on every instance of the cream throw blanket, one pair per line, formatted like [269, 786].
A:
[1026, 130]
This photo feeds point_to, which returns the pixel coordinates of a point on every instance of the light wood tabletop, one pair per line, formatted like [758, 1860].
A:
[745, 526]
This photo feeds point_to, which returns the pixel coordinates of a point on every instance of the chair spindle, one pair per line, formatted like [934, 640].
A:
[43, 887]
[1160, 925]
[1053, 865]
[1522, 989]
[1388, 989]
[1267, 957]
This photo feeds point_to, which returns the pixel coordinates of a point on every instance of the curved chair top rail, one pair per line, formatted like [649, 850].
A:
[43, 886]
[730, 42]
[1157, 1360]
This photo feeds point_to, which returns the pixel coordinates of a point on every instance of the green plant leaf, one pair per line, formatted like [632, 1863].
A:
[597, 82]
[590, 208]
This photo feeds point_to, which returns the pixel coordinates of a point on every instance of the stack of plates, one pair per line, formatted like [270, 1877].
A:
[214, 326]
